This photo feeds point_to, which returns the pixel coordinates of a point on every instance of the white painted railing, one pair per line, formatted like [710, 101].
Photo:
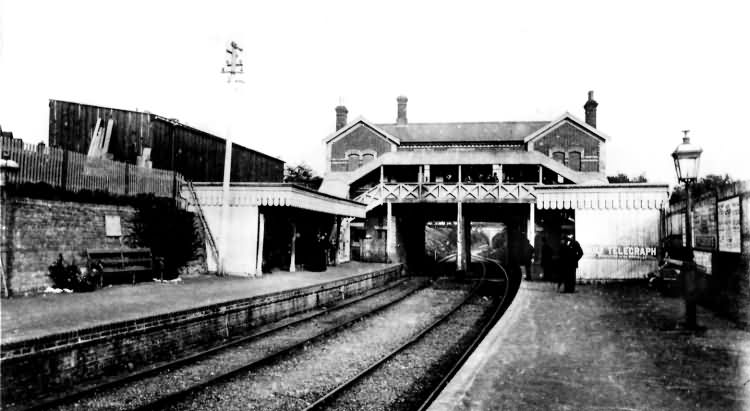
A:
[446, 192]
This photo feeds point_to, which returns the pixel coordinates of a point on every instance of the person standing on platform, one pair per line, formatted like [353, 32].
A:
[527, 257]
[546, 259]
[570, 253]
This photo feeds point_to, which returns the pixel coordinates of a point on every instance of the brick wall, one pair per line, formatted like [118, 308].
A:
[39, 230]
[373, 245]
[33, 369]
[197, 264]
[361, 139]
[568, 138]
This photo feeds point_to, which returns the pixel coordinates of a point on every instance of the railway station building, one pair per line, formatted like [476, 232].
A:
[538, 180]
[272, 226]
[268, 225]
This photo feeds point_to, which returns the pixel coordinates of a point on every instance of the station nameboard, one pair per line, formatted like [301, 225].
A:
[624, 252]
[729, 225]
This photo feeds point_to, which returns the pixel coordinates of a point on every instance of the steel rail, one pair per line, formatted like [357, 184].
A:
[499, 311]
[348, 383]
[153, 370]
[174, 397]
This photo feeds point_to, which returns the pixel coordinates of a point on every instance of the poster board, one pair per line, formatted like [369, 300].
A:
[703, 261]
[112, 226]
[704, 226]
[729, 225]
[677, 225]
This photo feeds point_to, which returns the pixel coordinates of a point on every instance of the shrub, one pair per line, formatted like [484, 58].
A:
[63, 276]
[75, 278]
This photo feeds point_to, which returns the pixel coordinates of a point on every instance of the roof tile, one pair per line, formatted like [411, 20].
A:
[486, 132]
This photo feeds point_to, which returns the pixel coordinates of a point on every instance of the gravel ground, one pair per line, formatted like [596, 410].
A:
[405, 380]
[140, 392]
[611, 347]
[300, 379]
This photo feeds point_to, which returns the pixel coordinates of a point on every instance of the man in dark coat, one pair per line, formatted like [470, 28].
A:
[527, 251]
[546, 259]
[570, 253]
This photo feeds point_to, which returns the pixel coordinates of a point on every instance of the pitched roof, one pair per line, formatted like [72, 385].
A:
[566, 117]
[353, 125]
[475, 132]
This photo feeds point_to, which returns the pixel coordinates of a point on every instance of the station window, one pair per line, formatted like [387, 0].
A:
[352, 162]
[574, 160]
[559, 156]
[366, 158]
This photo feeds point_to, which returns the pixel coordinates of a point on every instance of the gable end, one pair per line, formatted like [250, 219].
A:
[357, 146]
[574, 146]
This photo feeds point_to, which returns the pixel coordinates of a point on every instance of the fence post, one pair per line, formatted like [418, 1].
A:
[64, 179]
[171, 162]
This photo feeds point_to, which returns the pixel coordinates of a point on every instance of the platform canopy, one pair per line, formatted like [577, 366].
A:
[278, 195]
[609, 196]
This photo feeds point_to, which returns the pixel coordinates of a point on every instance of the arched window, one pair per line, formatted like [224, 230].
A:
[352, 162]
[574, 160]
[559, 156]
[367, 157]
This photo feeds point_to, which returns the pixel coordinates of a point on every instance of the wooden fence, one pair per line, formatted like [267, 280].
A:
[76, 172]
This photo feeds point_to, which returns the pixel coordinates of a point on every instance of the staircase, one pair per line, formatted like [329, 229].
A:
[372, 197]
[211, 242]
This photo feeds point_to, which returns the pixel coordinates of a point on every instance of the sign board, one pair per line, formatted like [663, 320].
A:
[703, 261]
[677, 225]
[624, 252]
[112, 225]
[729, 225]
[704, 226]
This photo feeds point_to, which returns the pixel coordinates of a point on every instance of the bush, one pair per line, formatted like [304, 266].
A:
[63, 276]
[74, 278]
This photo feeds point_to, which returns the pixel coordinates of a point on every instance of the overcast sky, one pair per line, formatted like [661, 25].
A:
[656, 68]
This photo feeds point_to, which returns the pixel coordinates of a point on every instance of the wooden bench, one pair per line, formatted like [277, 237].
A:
[122, 261]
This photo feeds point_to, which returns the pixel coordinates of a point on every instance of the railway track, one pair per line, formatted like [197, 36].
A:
[348, 396]
[235, 369]
[60, 402]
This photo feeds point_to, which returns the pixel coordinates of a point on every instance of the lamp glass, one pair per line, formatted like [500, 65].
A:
[687, 160]
[687, 167]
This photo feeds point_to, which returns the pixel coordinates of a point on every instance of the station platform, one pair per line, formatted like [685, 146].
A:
[25, 318]
[606, 347]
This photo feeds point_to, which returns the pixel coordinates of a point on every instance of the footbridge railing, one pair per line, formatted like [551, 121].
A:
[447, 192]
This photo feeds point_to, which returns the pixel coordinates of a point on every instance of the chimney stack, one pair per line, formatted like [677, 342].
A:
[341, 113]
[590, 108]
[401, 113]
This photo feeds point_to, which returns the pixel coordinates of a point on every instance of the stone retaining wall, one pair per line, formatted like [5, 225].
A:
[35, 231]
[38, 230]
[40, 367]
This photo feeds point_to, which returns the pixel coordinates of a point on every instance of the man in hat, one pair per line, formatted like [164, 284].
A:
[570, 253]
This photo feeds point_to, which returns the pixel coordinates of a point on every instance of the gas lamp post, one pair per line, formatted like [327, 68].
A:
[686, 163]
